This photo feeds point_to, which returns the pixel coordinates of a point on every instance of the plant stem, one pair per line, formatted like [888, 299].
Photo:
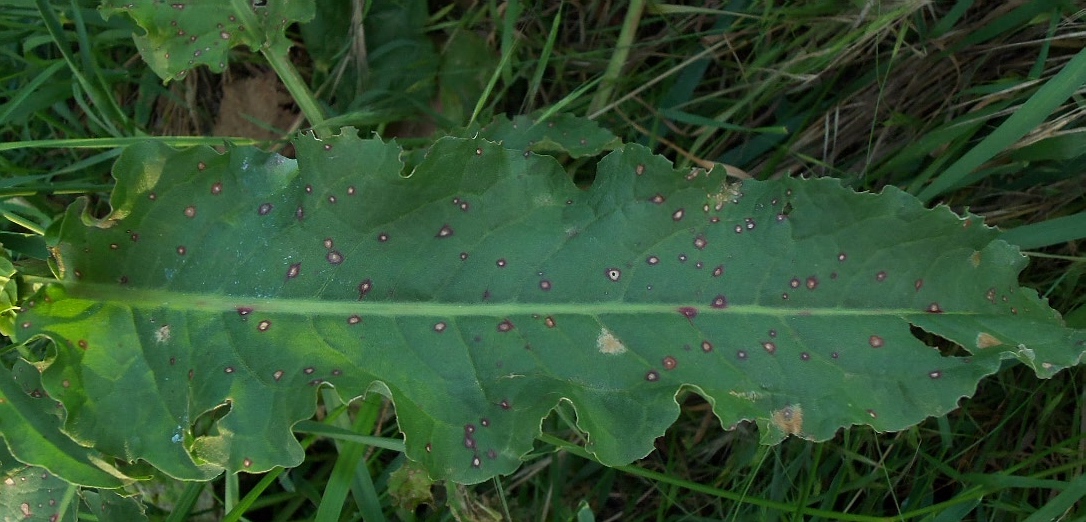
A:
[278, 59]
[298, 90]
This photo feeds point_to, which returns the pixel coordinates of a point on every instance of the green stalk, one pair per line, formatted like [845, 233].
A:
[288, 74]
[490, 84]
[108, 143]
[618, 59]
[298, 89]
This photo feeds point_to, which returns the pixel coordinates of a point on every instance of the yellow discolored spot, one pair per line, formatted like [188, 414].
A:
[987, 340]
[59, 259]
[788, 419]
[609, 344]
[112, 220]
[544, 200]
[748, 395]
[726, 193]
[975, 259]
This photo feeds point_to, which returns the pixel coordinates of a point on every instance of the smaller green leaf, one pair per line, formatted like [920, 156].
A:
[183, 34]
[31, 427]
[565, 132]
[31, 493]
[108, 505]
[410, 486]
[8, 295]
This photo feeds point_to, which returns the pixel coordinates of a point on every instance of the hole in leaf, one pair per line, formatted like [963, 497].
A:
[946, 347]
[206, 423]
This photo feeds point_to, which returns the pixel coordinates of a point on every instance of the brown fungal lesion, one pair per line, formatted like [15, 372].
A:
[788, 419]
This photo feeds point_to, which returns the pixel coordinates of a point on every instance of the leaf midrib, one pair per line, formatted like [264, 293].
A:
[205, 302]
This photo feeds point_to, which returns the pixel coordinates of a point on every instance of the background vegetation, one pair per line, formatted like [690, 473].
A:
[945, 100]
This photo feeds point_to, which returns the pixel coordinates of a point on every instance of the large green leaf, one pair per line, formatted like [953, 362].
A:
[485, 288]
[182, 34]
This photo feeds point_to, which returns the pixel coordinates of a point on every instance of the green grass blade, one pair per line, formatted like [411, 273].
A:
[506, 56]
[183, 508]
[695, 119]
[20, 97]
[1049, 232]
[89, 64]
[1009, 22]
[332, 432]
[109, 143]
[708, 51]
[544, 56]
[254, 494]
[510, 18]
[250, 498]
[618, 59]
[951, 18]
[1034, 111]
[1058, 507]
[733, 496]
[103, 101]
[560, 105]
[349, 473]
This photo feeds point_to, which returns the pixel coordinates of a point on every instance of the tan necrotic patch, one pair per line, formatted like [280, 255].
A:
[987, 340]
[788, 419]
[609, 344]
